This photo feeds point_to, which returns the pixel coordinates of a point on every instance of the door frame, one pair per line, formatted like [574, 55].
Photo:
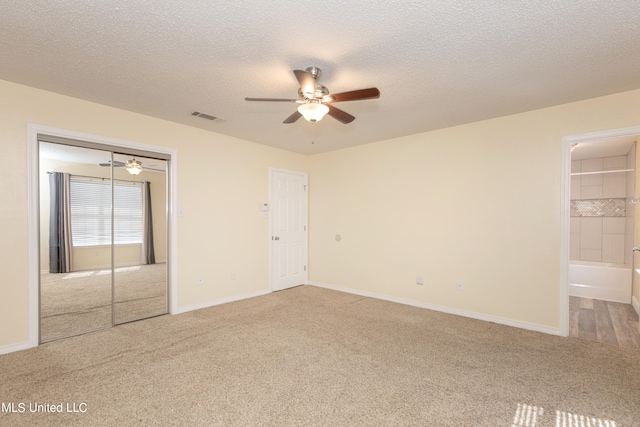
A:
[565, 210]
[272, 255]
[33, 217]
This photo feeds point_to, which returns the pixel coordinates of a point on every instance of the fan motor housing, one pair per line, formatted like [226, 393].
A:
[315, 72]
[319, 93]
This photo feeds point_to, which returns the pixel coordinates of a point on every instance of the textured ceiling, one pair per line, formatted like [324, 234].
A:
[436, 63]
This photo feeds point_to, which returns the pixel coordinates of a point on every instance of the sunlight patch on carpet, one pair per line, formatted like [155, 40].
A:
[530, 416]
[78, 275]
[527, 415]
[567, 419]
[124, 269]
[119, 270]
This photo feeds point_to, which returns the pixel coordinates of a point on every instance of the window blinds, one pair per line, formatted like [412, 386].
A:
[91, 212]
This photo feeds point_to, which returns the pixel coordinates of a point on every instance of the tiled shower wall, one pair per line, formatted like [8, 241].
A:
[601, 217]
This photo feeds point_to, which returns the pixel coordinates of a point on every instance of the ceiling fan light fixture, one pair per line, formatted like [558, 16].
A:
[315, 101]
[313, 111]
[133, 166]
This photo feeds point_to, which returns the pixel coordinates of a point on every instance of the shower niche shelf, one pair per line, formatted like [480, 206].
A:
[602, 172]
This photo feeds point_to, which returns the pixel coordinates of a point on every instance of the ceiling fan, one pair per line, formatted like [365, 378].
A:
[133, 166]
[316, 101]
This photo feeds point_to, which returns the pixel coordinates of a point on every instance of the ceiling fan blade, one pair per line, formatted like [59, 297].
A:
[116, 164]
[271, 99]
[307, 82]
[292, 118]
[356, 95]
[341, 116]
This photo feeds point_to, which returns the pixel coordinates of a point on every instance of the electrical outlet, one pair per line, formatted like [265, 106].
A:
[233, 276]
[459, 286]
[200, 281]
[419, 280]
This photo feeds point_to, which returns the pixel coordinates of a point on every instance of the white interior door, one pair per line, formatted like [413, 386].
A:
[288, 229]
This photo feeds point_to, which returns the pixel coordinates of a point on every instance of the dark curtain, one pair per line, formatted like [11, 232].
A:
[147, 246]
[59, 224]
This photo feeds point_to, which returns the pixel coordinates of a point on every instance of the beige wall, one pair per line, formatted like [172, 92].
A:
[479, 203]
[221, 181]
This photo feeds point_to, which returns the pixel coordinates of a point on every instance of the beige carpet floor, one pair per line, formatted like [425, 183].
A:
[77, 302]
[309, 356]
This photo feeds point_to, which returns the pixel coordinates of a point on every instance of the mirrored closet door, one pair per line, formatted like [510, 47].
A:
[75, 279]
[140, 255]
[103, 238]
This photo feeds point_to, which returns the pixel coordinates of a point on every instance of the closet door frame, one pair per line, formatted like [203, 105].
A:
[34, 134]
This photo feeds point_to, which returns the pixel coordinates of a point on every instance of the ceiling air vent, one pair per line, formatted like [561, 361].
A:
[203, 115]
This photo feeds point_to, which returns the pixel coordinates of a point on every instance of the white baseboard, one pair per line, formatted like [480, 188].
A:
[444, 309]
[14, 347]
[636, 304]
[199, 306]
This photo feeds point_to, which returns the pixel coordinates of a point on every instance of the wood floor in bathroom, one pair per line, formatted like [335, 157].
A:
[609, 322]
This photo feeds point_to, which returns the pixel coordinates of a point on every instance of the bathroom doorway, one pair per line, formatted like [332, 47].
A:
[601, 281]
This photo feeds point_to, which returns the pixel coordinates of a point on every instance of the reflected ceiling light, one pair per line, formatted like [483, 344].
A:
[313, 110]
[574, 146]
[133, 166]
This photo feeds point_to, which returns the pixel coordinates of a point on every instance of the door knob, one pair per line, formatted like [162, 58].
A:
[278, 238]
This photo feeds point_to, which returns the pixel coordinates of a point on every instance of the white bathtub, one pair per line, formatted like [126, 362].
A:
[600, 280]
